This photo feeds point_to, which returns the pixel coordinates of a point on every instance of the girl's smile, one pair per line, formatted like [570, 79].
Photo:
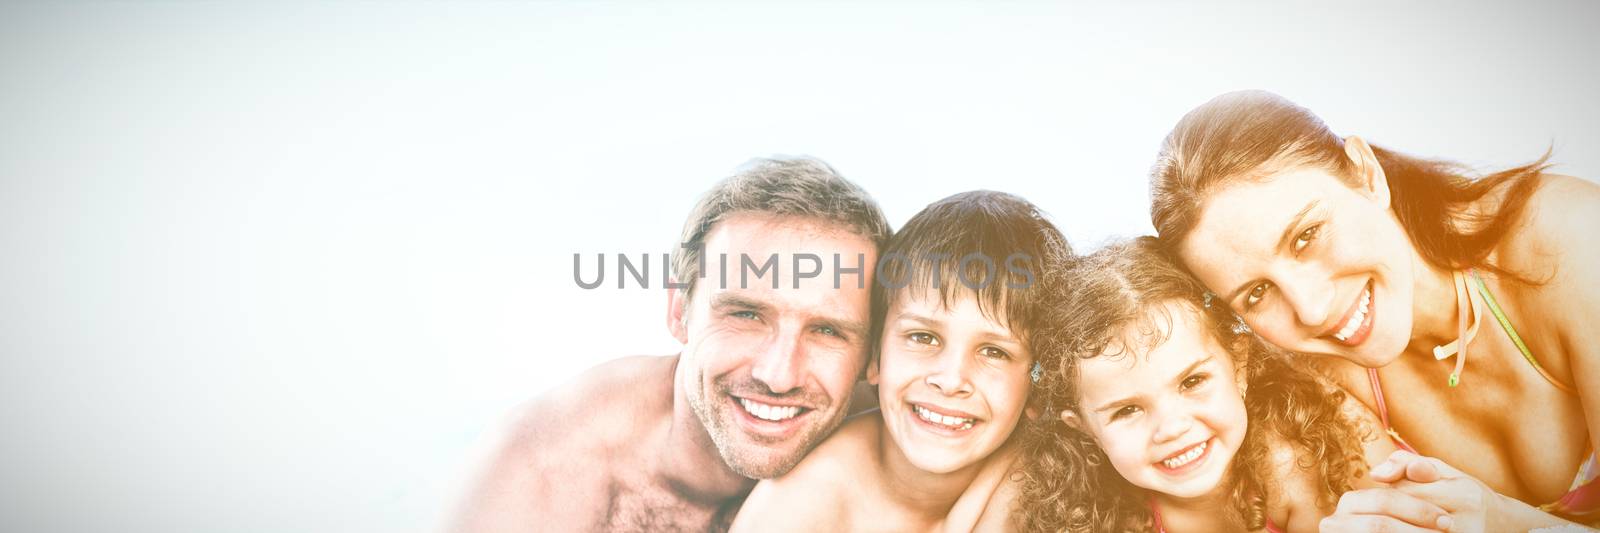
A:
[1165, 404]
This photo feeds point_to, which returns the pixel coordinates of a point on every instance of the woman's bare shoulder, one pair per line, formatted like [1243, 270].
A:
[1551, 241]
[1562, 220]
[1554, 245]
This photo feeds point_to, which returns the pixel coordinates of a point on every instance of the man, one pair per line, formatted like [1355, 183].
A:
[775, 322]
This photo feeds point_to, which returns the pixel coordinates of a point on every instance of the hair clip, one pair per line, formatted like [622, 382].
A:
[1037, 371]
[1206, 301]
[1239, 327]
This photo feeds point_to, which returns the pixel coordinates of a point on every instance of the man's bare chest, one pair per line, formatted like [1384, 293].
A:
[652, 508]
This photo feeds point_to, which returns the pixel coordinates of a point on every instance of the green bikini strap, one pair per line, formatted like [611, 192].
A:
[1505, 324]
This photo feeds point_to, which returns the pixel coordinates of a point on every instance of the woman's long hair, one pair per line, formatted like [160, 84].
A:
[1249, 135]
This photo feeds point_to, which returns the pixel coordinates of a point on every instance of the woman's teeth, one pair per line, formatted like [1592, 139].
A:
[1356, 318]
[772, 413]
[1187, 457]
[951, 422]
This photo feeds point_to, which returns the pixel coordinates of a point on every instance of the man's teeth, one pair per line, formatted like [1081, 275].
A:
[769, 412]
[1356, 318]
[1187, 457]
[953, 422]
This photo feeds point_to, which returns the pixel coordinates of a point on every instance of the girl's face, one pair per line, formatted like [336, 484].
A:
[1171, 418]
[1312, 264]
[952, 382]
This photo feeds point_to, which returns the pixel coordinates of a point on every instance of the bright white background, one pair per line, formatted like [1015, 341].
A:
[277, 266]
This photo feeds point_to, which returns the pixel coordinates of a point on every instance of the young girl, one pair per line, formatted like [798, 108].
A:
[1172, 417]
[956, 303]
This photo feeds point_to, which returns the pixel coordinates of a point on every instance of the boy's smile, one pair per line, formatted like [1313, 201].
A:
[952, 381]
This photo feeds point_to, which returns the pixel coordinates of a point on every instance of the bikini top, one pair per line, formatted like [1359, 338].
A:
[1582, 502]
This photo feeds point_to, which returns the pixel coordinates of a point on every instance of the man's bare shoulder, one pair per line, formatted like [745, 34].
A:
[551, 459]
[615, 391]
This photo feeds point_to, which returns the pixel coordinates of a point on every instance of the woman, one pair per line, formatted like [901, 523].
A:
[1467, 304]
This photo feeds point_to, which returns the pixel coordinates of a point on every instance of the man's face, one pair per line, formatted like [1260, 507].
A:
[769, 370]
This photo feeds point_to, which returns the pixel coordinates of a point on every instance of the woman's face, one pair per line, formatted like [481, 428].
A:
[952, 383]
[1311, 263]
[1170, 418]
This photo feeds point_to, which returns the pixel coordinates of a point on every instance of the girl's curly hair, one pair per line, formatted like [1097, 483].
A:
[1111, 298]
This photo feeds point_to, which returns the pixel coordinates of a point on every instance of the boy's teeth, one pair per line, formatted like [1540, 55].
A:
[1187, 457]
[772, 413]
[949, 421]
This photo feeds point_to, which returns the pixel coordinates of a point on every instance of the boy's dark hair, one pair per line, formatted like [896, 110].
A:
[991, 245]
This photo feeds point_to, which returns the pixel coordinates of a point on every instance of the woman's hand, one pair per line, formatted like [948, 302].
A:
[1425, 494]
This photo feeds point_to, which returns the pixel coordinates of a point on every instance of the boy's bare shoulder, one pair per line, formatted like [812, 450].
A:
[854, 446]
[821, 492]
[845, 459]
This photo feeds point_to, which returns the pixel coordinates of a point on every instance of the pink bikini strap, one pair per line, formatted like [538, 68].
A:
[1377, 394]
[1155, 514]
[1383, 411]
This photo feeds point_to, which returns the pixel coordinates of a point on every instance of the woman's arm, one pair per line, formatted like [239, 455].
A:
[1421, 486]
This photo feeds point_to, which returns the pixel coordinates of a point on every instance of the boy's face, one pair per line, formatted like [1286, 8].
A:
[952, 383]
[1170, 420]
